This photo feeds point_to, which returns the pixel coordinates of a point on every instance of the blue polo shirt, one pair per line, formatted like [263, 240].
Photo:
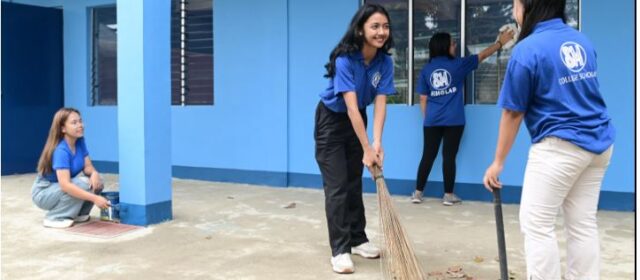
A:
[442, 81]
[366, 80]
[63, 158]
[552, 77]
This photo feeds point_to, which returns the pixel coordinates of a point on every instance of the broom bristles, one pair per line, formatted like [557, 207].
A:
[398, 260]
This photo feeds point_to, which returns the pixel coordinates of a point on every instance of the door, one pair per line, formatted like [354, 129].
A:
[32, 82]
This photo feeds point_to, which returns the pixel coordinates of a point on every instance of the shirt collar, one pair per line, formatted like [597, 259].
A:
[441, 58]
[358, 56]
[548, 24]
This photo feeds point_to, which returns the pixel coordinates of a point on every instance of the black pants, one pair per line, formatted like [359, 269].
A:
[451, 136]
[339, 156]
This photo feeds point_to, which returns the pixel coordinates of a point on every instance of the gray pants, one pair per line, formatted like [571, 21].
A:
[49, 196]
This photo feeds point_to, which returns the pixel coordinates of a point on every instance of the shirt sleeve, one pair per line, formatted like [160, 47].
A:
[343, 80]
[423, 84]
[469, 64]
[516, 89]
[386, 85]
[61, 159]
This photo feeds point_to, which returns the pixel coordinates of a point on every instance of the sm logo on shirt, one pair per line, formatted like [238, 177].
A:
[573, 56]
[375, 80]
[440, 79]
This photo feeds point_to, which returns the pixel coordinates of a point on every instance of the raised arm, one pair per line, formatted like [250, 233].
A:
[505, 37]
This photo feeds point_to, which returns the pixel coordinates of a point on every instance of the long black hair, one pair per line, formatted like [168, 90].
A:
[353, 39]
[536, 11]
[439, 45]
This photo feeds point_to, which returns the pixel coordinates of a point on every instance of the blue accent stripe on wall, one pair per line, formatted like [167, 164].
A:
[106, 166]
[277, 179]
[143, 215]
[609, 200]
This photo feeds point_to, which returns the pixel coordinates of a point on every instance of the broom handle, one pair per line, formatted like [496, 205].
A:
[377, 172]
[502, 250]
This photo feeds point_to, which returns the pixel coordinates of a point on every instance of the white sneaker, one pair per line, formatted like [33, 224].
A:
[82, 219]
[416, 197]
[366, 250]
[451, 199]
[58, 223]
[342, 263]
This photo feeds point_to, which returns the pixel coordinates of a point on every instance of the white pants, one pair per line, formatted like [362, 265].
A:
[561, 175]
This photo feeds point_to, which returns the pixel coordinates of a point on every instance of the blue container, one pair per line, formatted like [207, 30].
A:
[112, 213]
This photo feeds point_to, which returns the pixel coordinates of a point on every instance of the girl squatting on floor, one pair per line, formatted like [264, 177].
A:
[67, 185]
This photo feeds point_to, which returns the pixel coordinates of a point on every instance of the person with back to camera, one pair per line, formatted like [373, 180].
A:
[67, 185]
[360, 72]
[440, 87]
[551, 81]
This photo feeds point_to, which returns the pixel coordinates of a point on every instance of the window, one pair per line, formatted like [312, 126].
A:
[104, 82]
[192, 52]
[398, 16]
[483, 19]
[415, 21]
[430, 17]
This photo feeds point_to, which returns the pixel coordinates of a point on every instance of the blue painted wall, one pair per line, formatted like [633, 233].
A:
[611, 28]
[247, 127]
[315, 29]
[403, 135]
[101, 131]
[268, 73]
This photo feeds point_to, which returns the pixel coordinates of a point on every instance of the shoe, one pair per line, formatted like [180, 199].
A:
[450, 199]
[366, 250]
[82, 219]
[342, 263]
[58, 223]
[416, 197]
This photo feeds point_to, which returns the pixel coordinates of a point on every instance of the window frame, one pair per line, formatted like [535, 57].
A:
[93, 73]
[94, 91]
[410, 99]
[183, 63]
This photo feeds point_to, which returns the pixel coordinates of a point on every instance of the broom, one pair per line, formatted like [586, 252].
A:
[398, 259]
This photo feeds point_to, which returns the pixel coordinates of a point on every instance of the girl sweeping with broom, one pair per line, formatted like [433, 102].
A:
[551, 83]
[360, 72]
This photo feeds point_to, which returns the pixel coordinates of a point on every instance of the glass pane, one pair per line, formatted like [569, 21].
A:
[104, 61]
[197, 58]
[430, 17]
[483, 20]
[572, 13]
[398, 10]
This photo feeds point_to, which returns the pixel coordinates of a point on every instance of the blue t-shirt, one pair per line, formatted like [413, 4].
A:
[552, 78]
[63, 158]
[442, 81]
[366, 80]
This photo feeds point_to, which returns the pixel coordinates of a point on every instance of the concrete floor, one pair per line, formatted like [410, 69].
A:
[232, 231]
